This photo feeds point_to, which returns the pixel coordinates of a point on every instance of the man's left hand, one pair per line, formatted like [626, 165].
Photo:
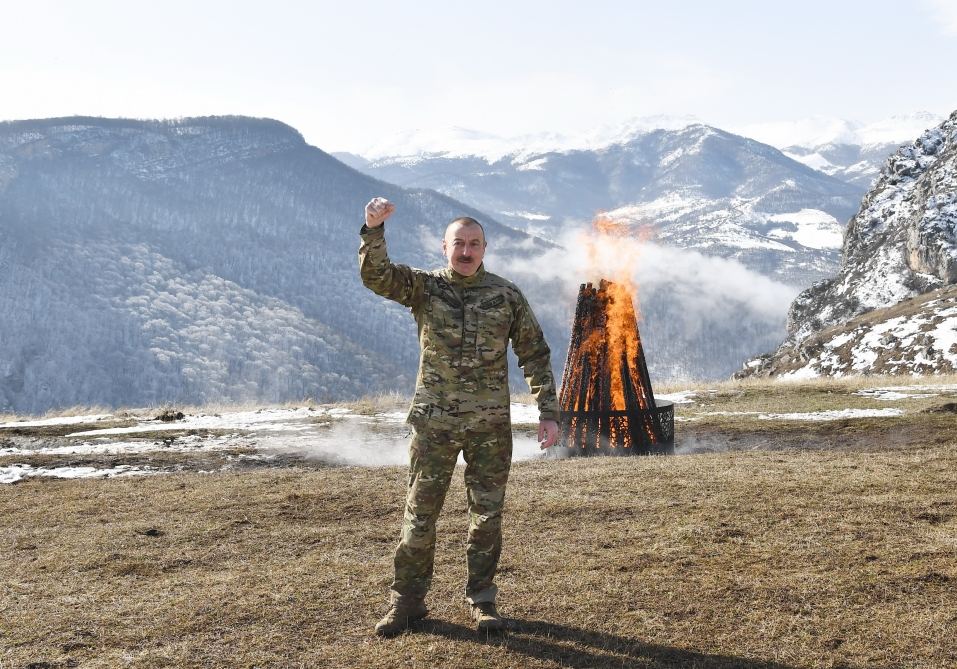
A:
[547, 433]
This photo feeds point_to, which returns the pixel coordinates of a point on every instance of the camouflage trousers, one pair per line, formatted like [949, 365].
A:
[433, 454]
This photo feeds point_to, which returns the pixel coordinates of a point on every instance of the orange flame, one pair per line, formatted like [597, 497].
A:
[610, 238]
[608, 352]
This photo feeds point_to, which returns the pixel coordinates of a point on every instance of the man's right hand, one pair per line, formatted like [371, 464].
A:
[377, 211]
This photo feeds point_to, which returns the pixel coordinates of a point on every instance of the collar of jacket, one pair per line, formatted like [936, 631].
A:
[457, 279]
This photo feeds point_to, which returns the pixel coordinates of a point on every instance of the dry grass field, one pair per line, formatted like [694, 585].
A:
[792, 544]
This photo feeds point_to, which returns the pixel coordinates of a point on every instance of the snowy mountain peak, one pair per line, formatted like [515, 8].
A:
[459, 142]
[818, 131]
[901, 244]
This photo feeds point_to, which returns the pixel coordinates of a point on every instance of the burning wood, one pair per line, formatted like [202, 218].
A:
[606, 399]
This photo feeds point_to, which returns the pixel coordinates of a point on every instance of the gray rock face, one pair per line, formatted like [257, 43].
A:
[901, 244]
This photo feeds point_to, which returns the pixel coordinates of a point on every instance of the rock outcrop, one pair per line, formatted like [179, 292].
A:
[900, 245]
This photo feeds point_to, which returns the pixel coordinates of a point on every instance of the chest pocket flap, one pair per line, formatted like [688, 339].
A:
[492, 302]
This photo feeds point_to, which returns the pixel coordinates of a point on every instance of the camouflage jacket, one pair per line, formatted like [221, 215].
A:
[465, 324]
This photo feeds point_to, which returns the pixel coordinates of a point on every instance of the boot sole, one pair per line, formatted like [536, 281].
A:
[492, 625]
[391, 632]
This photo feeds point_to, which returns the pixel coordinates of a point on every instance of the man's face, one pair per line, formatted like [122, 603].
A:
[464, 246]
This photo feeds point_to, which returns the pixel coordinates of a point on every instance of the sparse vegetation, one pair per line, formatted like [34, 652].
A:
[378, 403]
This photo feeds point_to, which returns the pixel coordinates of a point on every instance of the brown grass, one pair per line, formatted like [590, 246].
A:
[764, 559]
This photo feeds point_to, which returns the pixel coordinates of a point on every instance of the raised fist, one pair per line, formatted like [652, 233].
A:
[377, 211]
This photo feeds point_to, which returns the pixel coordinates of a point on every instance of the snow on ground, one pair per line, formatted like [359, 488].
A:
[527, 215]
[262, 419]
[276, 420]
[679, 397]
[813, 160]
[15, 473]
[61, 420]
[904, 344]
[667, 208]
[816, 229]
[524, 413]
[106, 446]
[890, 393]
[532, 165]
[834, 414]
[335, 435]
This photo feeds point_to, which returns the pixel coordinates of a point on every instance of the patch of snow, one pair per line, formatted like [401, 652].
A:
[741, 240]
[524, 413]
[862, 167]
[263, 419]
[527, 215]
[62, 420]
[532, 165]
[14, 473]
[393, 416]
[892, 395]
[835, 414]
[669, 207]
[806, 372]
[816, 229]
[104, 446]
[680, 397]
[813, 160]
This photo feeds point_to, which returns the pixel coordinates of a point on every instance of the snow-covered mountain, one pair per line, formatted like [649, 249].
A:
[900, 245]
[193, 261]
[214, 260]
[696, 187]
[458, 142]
[849, 150]
[915, 336]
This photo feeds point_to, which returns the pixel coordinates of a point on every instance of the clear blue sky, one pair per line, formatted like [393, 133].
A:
[346, 73]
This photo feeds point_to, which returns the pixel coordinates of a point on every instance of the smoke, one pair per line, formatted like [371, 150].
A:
[362, 443]
[701, 317]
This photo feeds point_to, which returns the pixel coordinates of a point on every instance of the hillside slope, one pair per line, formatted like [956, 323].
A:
[915, 336]
[696, 187]
[196, 260]
[877, 315]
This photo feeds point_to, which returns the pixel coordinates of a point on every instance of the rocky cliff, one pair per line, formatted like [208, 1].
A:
[901, 244]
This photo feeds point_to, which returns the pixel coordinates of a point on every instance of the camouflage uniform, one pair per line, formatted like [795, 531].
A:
[461, 403]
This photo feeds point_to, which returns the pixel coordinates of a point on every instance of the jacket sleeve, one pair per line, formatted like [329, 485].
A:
[396, 282]
[534, 357]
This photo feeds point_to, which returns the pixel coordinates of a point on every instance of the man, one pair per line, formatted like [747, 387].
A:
[465, 317]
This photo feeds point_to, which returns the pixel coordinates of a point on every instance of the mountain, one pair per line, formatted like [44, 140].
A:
[900, 245]
[459, 142]
[214, 260]
[197, 260]
[848, 150]
[696, 187]
[915, 336]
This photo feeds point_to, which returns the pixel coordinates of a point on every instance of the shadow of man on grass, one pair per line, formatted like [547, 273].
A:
[583, 649]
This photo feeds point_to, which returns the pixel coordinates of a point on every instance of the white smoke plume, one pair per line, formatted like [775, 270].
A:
[700, 316]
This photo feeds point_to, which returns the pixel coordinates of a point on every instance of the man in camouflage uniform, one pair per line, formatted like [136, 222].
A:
[465, 316]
